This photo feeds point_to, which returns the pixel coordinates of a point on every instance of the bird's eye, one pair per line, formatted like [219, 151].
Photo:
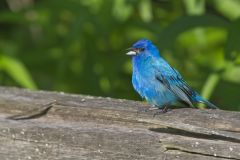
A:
[141, 49]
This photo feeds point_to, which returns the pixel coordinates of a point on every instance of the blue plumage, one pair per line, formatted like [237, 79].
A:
[156, 81]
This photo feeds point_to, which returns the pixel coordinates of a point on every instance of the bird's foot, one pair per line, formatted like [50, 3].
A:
[146, 109]
[143, 109]
[156, 110]
[159, 111]
[153, 108]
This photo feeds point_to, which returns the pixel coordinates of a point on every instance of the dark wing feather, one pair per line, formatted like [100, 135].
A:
[177, 86]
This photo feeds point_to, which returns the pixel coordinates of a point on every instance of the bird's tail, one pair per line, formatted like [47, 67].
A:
[207, 103]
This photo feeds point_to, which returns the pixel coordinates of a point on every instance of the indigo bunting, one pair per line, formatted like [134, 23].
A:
[156, 81]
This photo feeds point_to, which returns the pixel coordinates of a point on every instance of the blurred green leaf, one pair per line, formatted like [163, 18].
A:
[17, 71]
[229, 8]
[210, 85]
[232, 73]
[11, 17]
[237, 61]
[94, 5]
[121, 9]
[195, 7]
[233, 42]
[145, 10]
[169, 34]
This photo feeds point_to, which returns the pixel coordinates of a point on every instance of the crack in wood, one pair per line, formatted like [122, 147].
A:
[35, 113]
[175, 131]
[168, 148]
[233, 131]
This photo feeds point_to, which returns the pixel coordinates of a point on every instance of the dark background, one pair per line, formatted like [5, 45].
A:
[78, 46]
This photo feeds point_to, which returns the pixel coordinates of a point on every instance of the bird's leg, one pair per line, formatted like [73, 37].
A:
[153, 107]
[142, 109]
[161, 110]
[145, 109]
[156, 109]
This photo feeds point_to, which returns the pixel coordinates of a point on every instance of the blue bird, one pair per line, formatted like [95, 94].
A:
[156, 81]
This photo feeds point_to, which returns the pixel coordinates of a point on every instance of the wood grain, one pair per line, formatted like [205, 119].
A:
[51, 125]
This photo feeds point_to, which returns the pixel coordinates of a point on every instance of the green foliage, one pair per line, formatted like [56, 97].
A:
[232, 45]
[79, 46]
[17, 71]
[186, 23]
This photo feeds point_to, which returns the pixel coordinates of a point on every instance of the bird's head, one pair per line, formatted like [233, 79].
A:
[143, 47]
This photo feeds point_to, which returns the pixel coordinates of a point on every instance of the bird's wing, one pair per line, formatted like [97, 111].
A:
[172, 80]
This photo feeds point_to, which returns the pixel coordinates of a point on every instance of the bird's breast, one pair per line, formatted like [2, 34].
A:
[142, 77]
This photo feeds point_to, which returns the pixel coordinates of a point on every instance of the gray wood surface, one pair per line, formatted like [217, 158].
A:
[66, 126]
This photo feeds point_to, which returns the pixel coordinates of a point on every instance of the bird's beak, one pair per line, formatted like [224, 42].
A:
[131, 52]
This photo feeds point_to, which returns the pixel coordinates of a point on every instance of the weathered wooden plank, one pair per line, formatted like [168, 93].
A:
[85, 127]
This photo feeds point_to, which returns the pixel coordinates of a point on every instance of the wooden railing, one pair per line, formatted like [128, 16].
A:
[51, 125]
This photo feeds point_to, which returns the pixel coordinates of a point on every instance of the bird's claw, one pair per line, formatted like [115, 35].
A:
[143, 109]
[161, 111]
[156, 110]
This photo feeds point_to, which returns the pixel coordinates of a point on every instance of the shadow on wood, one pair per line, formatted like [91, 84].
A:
[70, 126]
